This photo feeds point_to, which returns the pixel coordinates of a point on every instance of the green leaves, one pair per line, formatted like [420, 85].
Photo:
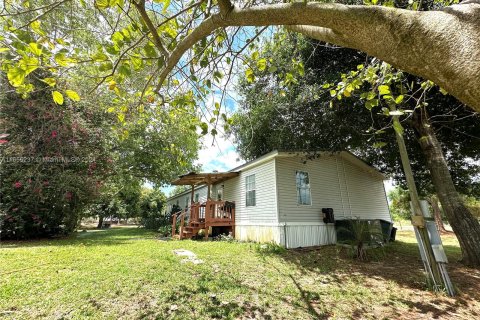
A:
[72, 95]
[384, 89]
[150, 51]
[50, 81]
[379, 144]
[117, 38]
[249, 75]
[35, 49]
[121, 117]
[399, 99]
[16, 76]
[102, 4]
[166, 4]
[99, 57]
[204, 127]
[62, 60]
[262, 64]
[57, 97]
[370, 104]
[35, 25]
[28, 64]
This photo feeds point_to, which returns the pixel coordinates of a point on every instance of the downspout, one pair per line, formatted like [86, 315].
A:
[277, 204]
[340, 186]
[348, 192]
[386, 199]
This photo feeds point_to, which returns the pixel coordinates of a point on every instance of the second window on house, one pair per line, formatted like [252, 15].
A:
[303, 188]
[250, 190]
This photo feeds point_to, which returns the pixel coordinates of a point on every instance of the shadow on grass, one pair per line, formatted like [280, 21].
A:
[99, 237]
[190, 298]
[399, 262]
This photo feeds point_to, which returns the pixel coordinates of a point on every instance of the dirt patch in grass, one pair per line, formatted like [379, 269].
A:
[395, 277]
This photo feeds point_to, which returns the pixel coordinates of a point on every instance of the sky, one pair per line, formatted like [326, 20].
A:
[220, 155]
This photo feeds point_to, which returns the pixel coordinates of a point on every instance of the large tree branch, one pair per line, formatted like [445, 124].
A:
[322, 34]
[442, 46]
[156, 38]
[225, 7]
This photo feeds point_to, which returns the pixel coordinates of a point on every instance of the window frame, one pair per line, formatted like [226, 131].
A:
[249, 190]
[298, 188]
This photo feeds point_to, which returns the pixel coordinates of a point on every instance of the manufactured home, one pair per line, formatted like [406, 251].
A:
[281, 197]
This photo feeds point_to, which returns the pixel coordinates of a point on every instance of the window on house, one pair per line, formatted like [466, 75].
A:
[197, 197]
[303, 188]
[250, 190]
[187, 202]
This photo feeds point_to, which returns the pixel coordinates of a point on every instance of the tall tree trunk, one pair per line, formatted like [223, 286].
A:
[437, 214]
[100, 222]
[464, 224]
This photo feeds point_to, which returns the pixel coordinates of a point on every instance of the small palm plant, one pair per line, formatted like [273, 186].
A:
[361, 234]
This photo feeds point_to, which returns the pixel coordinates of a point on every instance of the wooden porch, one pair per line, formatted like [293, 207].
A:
[204, 216]
[207, 215]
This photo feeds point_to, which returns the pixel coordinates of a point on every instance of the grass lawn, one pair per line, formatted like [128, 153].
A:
[126, 273]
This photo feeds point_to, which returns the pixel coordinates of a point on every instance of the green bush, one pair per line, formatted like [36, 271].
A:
[151, 210]
[165, 231]
[224, 237]
[269, 248]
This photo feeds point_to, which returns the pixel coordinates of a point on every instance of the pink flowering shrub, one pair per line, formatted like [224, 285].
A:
[48, 178]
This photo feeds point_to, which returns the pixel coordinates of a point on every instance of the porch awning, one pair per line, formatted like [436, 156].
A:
[207, 178]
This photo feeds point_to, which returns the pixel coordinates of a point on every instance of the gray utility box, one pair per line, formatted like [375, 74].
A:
[436, 242]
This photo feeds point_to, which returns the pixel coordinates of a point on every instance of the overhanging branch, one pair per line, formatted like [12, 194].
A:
[422, 43]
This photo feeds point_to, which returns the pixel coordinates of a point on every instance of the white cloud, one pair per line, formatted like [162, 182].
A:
[220, 156]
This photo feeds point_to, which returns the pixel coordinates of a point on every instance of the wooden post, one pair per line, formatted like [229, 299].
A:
[182, 224]
[192, 214]
[434, 271]
[174, 224]
[193, 193]
[233, 222]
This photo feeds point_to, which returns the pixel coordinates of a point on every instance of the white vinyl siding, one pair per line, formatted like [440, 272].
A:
[304, 195]
[335, 183]
[324, 187]
[366, 194]
[250, 190]
[265, 209]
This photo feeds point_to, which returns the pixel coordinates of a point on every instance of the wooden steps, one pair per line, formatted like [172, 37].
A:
[192, 229]
[204, 216]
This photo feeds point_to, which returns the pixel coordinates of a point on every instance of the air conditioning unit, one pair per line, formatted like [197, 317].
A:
[328, 216]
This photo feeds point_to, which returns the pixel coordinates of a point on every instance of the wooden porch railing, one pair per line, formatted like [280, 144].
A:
[176, 216]
[197, 212]
[210, 213]
[220, 213]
